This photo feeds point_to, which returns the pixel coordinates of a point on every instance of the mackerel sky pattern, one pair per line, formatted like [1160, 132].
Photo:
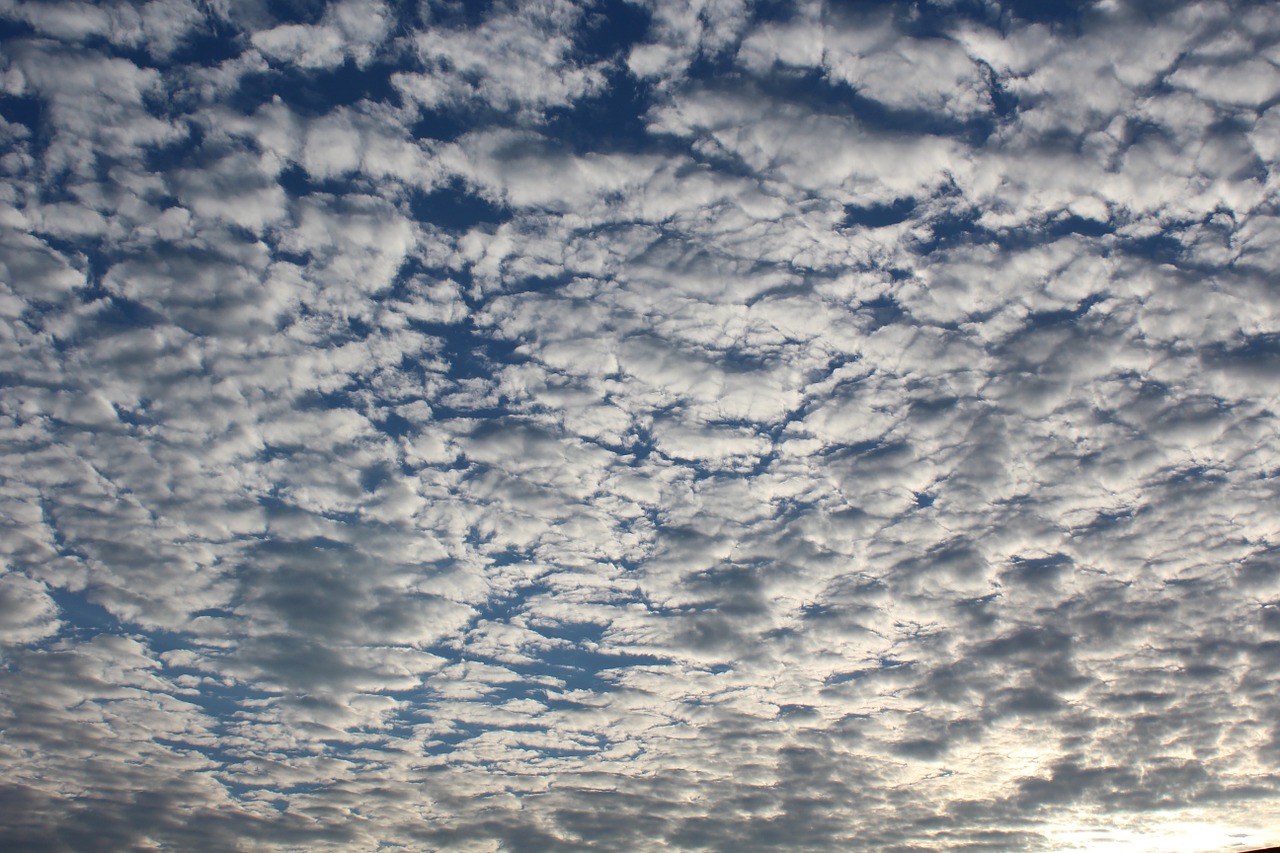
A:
[639, 425]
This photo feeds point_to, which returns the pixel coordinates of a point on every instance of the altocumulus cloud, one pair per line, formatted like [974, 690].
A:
[549, 426]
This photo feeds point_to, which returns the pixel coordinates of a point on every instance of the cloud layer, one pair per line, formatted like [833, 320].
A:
[626, 426]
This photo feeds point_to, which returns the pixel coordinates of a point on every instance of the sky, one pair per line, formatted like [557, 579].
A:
[637, 425]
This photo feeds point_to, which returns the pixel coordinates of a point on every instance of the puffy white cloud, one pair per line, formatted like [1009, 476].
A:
[158, 26]
[877, 61]
[97, 105]
[27, 611]
[521, 58]
[352, 29]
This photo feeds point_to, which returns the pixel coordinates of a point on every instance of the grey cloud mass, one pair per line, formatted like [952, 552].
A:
[637, 425]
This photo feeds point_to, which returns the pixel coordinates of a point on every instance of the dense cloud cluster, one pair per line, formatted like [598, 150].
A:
[639, 424]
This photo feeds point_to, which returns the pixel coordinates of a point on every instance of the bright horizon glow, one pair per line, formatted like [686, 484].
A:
[1157, 837]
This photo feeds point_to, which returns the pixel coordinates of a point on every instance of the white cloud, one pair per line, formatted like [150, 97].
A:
[876, 61]
[1250, 84]
[96, 104]
[158, 26]
[519, 59]
[27, 613]
[354, 29]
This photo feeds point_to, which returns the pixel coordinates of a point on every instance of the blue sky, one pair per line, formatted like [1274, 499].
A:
[633, 426]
